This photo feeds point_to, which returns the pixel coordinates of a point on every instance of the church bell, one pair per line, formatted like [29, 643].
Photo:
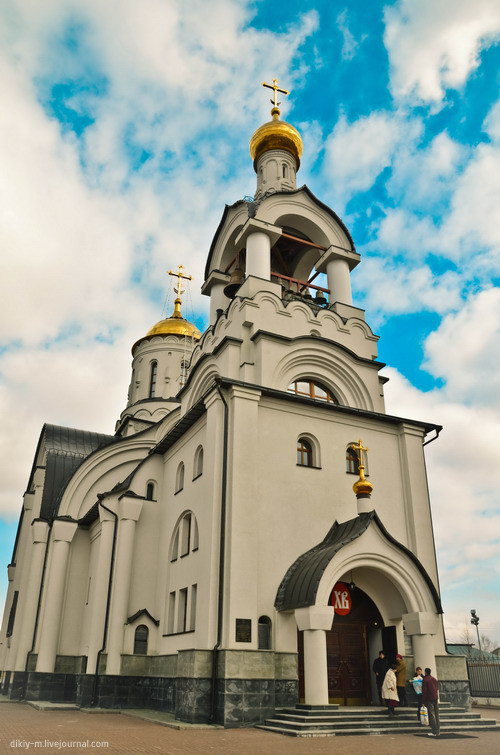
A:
[237, 278]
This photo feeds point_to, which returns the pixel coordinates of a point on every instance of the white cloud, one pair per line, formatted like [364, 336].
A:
[87, 234]
[463, 495]
[80, 385]
[465, 350]
[492, 122]
[356, 153]
[434, 45]
[396, 289]
[472, 223]
[462, 463]
[423, 176]
[349, 43]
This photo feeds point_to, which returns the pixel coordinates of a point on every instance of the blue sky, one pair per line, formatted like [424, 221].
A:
[125, 129]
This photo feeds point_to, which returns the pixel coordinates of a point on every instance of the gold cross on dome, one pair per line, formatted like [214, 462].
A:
[180, 276]
[276, 89]
[359, 448]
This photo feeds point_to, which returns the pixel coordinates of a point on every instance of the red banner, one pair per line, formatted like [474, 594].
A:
[341, 599]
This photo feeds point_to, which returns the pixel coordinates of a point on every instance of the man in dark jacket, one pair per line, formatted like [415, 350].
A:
[380, 667]
[430, 700]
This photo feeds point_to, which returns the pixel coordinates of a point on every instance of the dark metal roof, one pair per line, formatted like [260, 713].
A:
[66, 448]
[142, 612]
[300, 584]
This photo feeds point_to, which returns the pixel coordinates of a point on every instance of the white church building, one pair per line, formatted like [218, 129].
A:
[233, 546]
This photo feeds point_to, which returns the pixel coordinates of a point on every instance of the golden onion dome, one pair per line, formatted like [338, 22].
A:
[276, 134]
[362, 487]
[175, 325]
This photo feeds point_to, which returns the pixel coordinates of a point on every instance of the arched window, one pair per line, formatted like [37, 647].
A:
[152, 379]
[198, 463]
[150, 491]
[141, 640]
[285, 170]
[352, 460]
[304, 453]
[186, 538]
[312, 389]
[179, 478]
[264, 632]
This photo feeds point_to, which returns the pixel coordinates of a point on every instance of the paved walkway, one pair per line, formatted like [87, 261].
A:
[55, 730]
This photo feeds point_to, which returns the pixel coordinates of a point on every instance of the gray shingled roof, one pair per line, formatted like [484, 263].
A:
[66, 448]
[300, 584]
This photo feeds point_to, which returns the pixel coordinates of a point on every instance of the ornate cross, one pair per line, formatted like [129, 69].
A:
[360, 448]
[276, 88]
[180, 275]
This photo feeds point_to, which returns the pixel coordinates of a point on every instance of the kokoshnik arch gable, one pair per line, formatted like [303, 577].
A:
[190, 562]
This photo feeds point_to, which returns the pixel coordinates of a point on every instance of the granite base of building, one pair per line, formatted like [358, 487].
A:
[456, 692]
[239, 700]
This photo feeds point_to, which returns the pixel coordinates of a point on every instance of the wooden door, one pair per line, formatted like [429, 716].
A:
[347, 659]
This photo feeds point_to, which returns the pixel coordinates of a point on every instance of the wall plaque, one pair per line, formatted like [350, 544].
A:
[243, 630]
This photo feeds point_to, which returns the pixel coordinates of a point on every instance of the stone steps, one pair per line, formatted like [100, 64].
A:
[368, 720]
[322, 721]
[418, 729]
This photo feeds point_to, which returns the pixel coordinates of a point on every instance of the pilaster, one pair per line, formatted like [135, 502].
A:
[39, 533]
[100, 592]
[63, 531]
[129, 511]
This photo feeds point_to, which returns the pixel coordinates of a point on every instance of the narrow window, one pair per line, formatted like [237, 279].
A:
[152, 379]
[264, 633]
[179, 478]
[171, 613]
[304, 453]
[12, 615]
[182, 616]
[186, 535]
[285, 171]
[198, 463]
[195, 534]
[352, 460]
[192, 617]
[150, 491]
[141, 640]
[175, 547]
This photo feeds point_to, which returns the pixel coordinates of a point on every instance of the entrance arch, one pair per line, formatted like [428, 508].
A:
[349, 646]
[394, 588]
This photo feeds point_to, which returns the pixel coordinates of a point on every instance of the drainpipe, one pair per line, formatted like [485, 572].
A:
[93, 701]
[222, 548]
[37, 617]
[435, 437]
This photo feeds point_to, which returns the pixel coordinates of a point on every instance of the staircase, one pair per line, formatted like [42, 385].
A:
[334, 720]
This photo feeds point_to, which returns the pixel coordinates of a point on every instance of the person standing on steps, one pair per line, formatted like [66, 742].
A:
[430, 698]
[417, 686]
[401, 680]
[389, 690]
[380, 666]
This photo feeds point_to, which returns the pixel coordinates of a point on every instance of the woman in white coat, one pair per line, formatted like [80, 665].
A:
[389, 690]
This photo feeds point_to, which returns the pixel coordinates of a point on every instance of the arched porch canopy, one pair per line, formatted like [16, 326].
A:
[311, 577]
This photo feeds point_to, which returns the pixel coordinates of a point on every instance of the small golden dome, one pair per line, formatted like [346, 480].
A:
[175, 325]
[362, 487]
[276, 134]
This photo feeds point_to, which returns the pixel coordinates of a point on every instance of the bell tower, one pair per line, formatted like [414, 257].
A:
[276, 148]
